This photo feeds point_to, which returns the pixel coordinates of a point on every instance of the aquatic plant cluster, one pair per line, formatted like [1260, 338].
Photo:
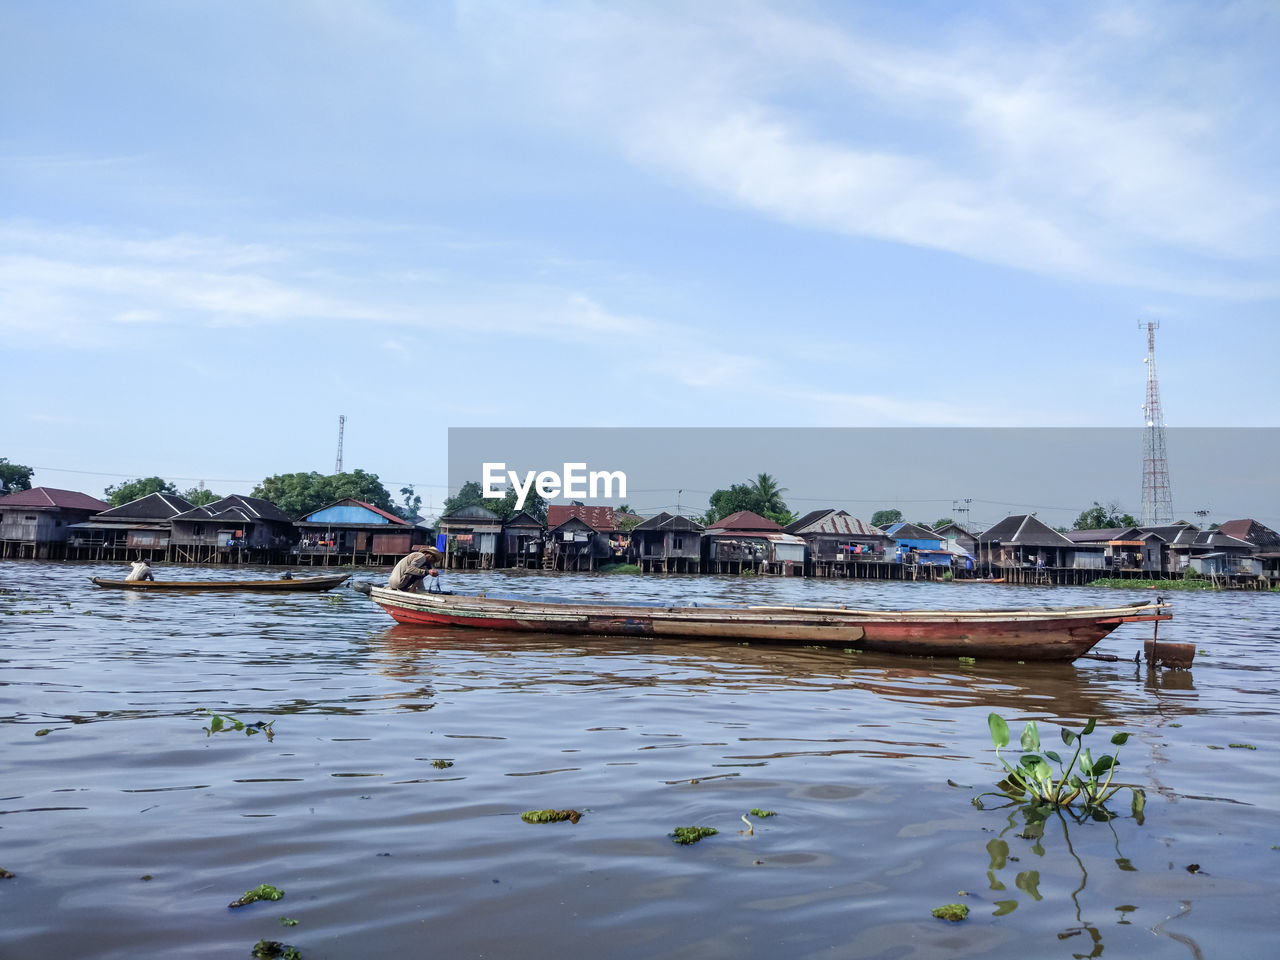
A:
[1034, 780]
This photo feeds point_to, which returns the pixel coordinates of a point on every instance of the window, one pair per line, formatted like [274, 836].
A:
[678, 543]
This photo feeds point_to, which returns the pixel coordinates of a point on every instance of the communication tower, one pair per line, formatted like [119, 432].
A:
[342, 422]
[1157, 498]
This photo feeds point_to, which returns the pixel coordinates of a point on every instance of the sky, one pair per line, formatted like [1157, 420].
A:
[224, 224]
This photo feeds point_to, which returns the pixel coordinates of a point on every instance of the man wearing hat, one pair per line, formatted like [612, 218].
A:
[409, 573]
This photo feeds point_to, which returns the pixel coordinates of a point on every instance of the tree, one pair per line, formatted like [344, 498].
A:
[14, 476]
[761, 495]
[1100, 517]
[882, 518]
[471, 494]
[412, 503]
[298, 494]
[133, 489]
[770, 494]
[199, 496]
[939, 524]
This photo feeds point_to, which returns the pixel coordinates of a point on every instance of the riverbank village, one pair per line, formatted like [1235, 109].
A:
[52, 524]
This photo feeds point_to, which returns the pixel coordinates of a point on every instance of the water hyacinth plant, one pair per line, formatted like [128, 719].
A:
[1080, 779]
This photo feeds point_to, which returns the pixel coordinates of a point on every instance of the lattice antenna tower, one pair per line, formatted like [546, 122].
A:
[1157, 498]
[342, 423]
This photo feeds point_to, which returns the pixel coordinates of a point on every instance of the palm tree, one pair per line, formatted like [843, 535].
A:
[766, 488]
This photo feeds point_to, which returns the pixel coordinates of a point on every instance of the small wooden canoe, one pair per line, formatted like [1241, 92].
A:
[1041, 633]
[313, 584]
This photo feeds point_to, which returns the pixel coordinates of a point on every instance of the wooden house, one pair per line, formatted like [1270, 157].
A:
[1220, 554]
[607, 542]
[1121, 551]
[1176, 540]
[840, 545]
[36, 524]
[139, 528]
[920, 550]
[667, 543]
[235, 529]
[746, 541]
[575, 545]
[352, 531]
[523, 539]
[472, 538]
[1022, 549]
[1258, 535]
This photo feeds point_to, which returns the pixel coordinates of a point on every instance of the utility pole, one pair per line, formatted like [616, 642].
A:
[961, 507]
[1157, 498]
[342, 422]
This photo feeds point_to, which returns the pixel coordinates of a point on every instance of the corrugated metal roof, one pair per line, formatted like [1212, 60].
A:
[600, 519]
[1026, 530]
[237, 507]
[837, 522]
[744, 520]
[669, 521]
[154, 506]
[53, 497]
[473, 512]
[1251, 531]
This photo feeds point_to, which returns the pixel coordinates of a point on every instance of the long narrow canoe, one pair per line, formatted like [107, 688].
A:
[313, 584]
[1040, 633]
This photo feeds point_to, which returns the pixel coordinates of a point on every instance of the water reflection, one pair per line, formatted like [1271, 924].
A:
[1028, 822]
[1076, 690]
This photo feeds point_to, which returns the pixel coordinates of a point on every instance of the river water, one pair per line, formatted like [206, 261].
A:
[129, 829]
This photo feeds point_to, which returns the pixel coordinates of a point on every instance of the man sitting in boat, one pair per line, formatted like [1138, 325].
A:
[409, 573]
[141, 570]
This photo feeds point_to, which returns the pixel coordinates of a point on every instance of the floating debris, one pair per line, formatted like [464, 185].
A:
[757, 812]
[688, 835]
[288, 922]
[967, 659]
[263, 891]
[270, 949]
[146, 878]
[550, 816]
[43, 732]
[1242, 746]
[7, 875]
[955, 912]
[442, 764]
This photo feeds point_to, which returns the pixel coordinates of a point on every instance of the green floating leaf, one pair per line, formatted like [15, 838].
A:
[550, 816]
[288, 922]
[955, 912]
[757, 812]
[999, 730]
[688, 835]
[264, 891]
[1030, 737]
[1003, 907]
[43, 732]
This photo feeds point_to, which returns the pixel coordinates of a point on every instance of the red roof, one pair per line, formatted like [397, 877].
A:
[382, 513]
[745, 520]
[53, 497]
[599, 519]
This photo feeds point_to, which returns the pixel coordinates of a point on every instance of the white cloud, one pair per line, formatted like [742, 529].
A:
[1092, 155]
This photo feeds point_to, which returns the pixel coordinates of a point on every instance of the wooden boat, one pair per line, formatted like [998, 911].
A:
[313, 584]
[1042, 633]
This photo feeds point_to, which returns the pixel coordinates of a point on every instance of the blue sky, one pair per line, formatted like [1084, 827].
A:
[246, 219]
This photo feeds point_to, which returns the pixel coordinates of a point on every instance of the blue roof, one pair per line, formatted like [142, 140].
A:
[346, 513]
